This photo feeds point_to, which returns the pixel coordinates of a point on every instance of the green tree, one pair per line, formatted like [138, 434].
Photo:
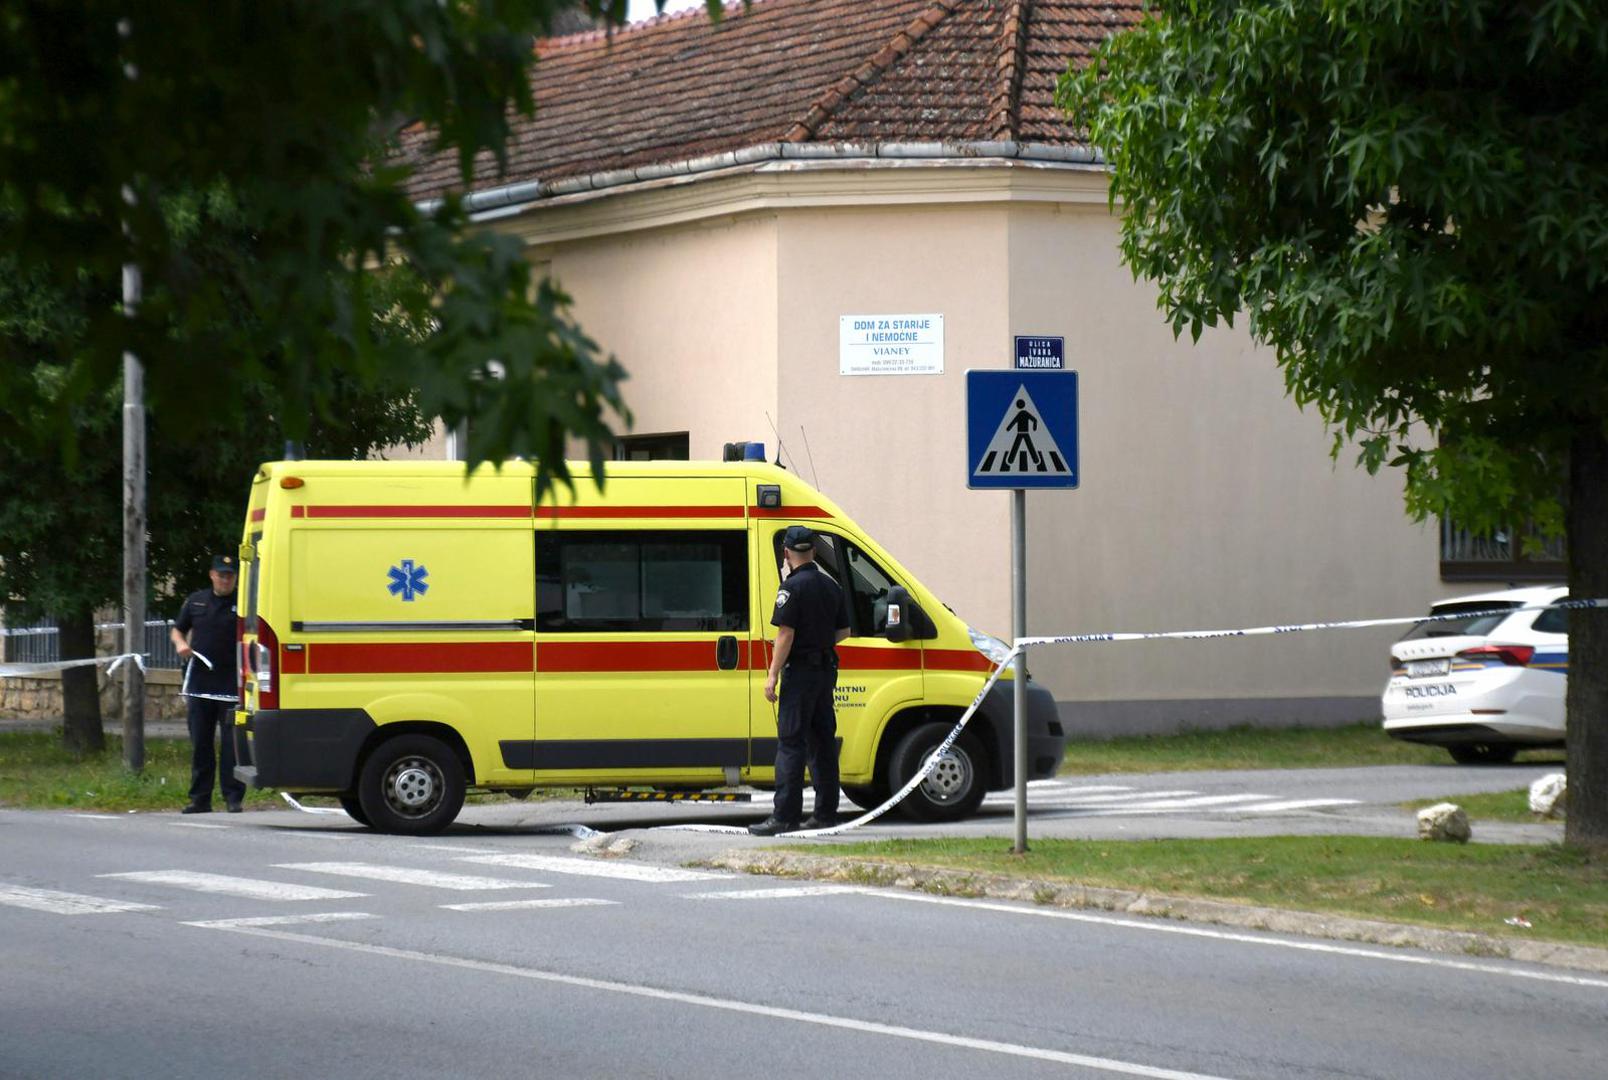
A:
[109, 109]
[1407, 200]
[61, 519]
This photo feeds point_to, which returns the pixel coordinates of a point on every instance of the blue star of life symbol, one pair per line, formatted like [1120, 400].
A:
[407, 580]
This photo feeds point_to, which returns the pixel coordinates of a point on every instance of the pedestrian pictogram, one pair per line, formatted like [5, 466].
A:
[1021, 429]
[1022, 444]
[407, 580]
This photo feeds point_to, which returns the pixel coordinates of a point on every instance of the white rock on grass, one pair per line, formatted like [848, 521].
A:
[1445, 822]
[604, 846]
[1549, 795]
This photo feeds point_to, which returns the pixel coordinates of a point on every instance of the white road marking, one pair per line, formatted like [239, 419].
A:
[844, 1023]
[1197, 803]
[623, 871]
[98, 817]
[456, 849]
[782, 893]
[407, 875]
[1297, 804]
[516, 905]
[1057, 800]
[234, 886]
[283, 920]
[196, 825]
[65, 903]
[1162, 926]
[319, 834]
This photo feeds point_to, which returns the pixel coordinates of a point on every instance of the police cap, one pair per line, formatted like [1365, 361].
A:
[799, 538]
[225, 564]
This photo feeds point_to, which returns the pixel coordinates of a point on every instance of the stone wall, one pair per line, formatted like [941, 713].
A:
[38, 697]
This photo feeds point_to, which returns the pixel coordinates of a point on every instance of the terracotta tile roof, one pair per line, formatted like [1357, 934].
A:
[678, 87]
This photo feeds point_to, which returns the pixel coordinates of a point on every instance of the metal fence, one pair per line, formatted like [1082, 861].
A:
[40, 643]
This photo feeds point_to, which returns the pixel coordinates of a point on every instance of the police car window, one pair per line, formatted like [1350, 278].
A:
[1555, 621]
[643, 581]
[1471, 620]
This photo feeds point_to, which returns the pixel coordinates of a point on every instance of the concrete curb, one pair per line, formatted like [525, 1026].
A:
[946, 882]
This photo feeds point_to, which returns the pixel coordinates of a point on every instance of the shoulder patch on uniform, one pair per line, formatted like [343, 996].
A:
[781, 598]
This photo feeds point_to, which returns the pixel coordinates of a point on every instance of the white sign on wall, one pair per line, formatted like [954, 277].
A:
[891, 345]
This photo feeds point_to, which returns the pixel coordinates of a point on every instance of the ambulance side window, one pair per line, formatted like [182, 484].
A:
[854, 570]
[253, 584]
[641, 581]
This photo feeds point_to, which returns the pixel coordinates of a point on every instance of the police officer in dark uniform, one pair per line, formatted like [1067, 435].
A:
[811, 617]
[204, 634]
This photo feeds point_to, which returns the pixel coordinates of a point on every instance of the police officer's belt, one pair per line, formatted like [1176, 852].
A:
[821, 660]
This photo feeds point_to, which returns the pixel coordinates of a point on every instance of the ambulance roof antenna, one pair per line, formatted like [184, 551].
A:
[779, 448]
[814, 479]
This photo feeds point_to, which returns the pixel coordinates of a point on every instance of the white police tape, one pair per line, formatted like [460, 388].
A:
[1023, 644]
[19, 670]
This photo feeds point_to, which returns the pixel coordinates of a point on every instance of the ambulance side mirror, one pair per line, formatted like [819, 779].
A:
[906, 620]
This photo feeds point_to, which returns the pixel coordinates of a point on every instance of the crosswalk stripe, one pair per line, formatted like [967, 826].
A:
[1054, 790]
[234, 886]
[65, 903]
[1298, 804]
[282, 920]
[1135, 796]
[407, 875]
[1197, 803]
[515, 905]
[785, 892]
[195, 825]
[596, 868]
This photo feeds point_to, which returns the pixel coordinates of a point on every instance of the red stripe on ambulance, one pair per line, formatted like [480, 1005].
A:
[418, 657]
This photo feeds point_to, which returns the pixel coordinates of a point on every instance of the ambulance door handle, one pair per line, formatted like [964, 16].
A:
[726, 653]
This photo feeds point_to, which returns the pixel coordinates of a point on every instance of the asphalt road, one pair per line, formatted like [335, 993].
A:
[317, 948]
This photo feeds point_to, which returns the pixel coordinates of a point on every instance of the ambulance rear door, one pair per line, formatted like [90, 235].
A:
[642, 634]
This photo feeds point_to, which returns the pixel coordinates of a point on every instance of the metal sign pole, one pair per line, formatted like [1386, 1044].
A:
[1019, 631]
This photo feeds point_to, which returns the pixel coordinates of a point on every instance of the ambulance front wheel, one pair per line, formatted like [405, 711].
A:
[411, 784]
[954, 788]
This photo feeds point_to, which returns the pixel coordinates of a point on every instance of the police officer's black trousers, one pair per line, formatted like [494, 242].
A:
[806, 730]
[206, 718]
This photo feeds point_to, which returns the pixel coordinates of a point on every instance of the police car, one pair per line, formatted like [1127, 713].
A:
[1484, 684]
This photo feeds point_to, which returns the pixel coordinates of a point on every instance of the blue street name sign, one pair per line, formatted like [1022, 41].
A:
[1022, 429]
[1040, 353]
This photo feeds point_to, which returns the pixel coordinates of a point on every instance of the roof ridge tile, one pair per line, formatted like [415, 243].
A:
[870, 71]
[1005, 105]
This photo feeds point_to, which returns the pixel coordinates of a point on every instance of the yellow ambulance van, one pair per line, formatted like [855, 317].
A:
[409, 634]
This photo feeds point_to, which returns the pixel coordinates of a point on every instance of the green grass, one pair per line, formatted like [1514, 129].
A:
[37, 771]
[1487, 806]
[1257, 748]
[1563, 893]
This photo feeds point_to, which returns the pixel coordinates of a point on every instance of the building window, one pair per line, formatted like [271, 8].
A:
[594, 581]
[1498, 556]
[666, 447]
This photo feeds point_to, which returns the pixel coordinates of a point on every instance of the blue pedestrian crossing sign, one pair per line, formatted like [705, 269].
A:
[1022, 429]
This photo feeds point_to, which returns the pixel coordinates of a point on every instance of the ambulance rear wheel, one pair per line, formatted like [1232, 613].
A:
[354, 810]
[411, 784]
[954, 788]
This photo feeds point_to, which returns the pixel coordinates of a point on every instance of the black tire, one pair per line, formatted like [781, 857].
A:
[954, 790]
[354, 810]
[1482, 753]
[412, 784]
[868, 797]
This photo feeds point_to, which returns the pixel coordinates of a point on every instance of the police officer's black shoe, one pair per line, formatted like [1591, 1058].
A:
[197, 808]
[235, 807]
[814, 822]
[773, 826]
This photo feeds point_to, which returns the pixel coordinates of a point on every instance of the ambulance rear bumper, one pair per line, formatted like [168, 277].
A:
[1046, 740]
[304, 749]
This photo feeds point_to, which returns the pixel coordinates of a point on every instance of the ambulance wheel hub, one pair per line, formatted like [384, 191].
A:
[950, 777]
[413, 785]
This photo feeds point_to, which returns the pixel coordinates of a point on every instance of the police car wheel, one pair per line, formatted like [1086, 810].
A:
[354, 810]
[954, 788]
[1481, 753]
[412, 784]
